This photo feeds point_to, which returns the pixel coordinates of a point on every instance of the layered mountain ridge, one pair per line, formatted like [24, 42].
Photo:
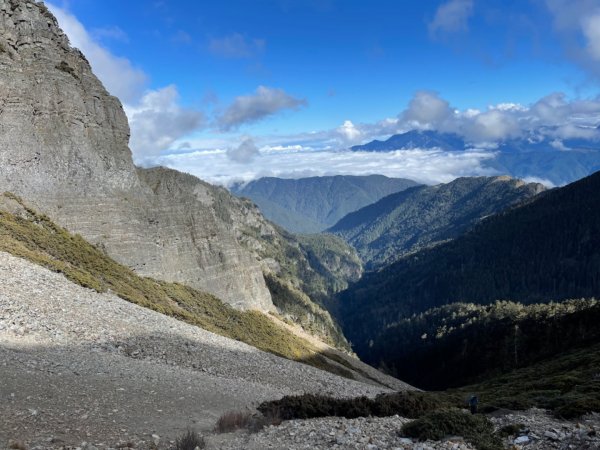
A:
[310, 205]
[540, 154]
[423, 216]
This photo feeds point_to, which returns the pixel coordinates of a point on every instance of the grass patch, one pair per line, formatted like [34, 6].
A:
[33, 236]
[189, 441]
[476, 429]
[236, 420]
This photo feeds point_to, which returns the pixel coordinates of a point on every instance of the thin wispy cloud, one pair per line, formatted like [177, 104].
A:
[578, 23]
[236, 45]
[113, 33]
[451, 17]
[118, 74]
[264, 102]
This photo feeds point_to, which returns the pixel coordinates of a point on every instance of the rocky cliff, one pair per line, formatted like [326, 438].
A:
[64, 147]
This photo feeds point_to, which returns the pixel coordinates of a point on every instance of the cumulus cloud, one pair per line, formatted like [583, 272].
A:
[157, 121]
[251, 108]
[553, 115]
[119, 76]
[452, 16]
[427, 110]
[349, 132]
[493, 125]
[243, 153]
[236, 46]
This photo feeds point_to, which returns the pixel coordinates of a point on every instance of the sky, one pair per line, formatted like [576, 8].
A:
[233, 90]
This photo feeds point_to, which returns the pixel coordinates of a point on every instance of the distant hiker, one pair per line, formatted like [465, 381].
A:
[473, 402]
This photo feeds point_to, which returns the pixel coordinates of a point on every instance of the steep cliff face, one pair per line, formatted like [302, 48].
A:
[64, 148]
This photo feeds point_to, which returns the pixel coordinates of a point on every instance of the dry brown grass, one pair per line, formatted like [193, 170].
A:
[238, 420]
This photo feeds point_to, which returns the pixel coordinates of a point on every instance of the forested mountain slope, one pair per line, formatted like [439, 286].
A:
[547, 249]
[422, 216]
[310, 205]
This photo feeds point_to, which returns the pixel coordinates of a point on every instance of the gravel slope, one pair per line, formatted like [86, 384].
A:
[79, 366]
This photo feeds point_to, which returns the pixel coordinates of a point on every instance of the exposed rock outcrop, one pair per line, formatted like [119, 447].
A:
[64, 147]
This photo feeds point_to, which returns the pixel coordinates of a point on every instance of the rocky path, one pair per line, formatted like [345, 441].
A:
[80, 366]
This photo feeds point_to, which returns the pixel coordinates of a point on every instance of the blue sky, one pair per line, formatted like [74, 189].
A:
[253, 78]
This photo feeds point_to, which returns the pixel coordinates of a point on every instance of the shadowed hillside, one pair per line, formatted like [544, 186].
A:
[423, 216]
[548, 249]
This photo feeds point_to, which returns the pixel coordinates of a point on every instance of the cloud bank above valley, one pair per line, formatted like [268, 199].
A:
[425, 166]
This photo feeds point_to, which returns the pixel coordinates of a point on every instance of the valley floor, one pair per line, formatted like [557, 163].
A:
[77, 366]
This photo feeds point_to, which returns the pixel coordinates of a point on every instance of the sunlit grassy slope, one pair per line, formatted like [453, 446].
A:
[27, 234]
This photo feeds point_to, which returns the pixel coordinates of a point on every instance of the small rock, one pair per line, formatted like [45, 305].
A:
[521, 440]
[551, 435]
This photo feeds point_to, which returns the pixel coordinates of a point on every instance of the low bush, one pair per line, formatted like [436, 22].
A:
[511, 430]
[189, 441]
[476, 429]
[409, 404]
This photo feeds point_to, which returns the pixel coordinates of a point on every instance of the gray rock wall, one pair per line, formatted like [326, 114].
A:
[64, 149]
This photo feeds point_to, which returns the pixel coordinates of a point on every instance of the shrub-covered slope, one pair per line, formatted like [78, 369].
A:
[423, 216]
[463, 343]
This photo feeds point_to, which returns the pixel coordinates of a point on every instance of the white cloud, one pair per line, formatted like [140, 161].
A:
[243, 153]
[119, 76]
[158, 121]
[451, 16]
[427, 166]
[544, 181]
[236, 46]
[578, 24]
[591, 30]
[492, 125]
[427, 110]
[251, 108]
[349, 132]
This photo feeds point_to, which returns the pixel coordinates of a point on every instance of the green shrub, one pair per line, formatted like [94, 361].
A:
[409, 404]
[476, 429]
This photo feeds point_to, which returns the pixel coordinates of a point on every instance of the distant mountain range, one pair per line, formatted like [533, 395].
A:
[534, 156]
[547, 249]
[310, 205]
[422, 216]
